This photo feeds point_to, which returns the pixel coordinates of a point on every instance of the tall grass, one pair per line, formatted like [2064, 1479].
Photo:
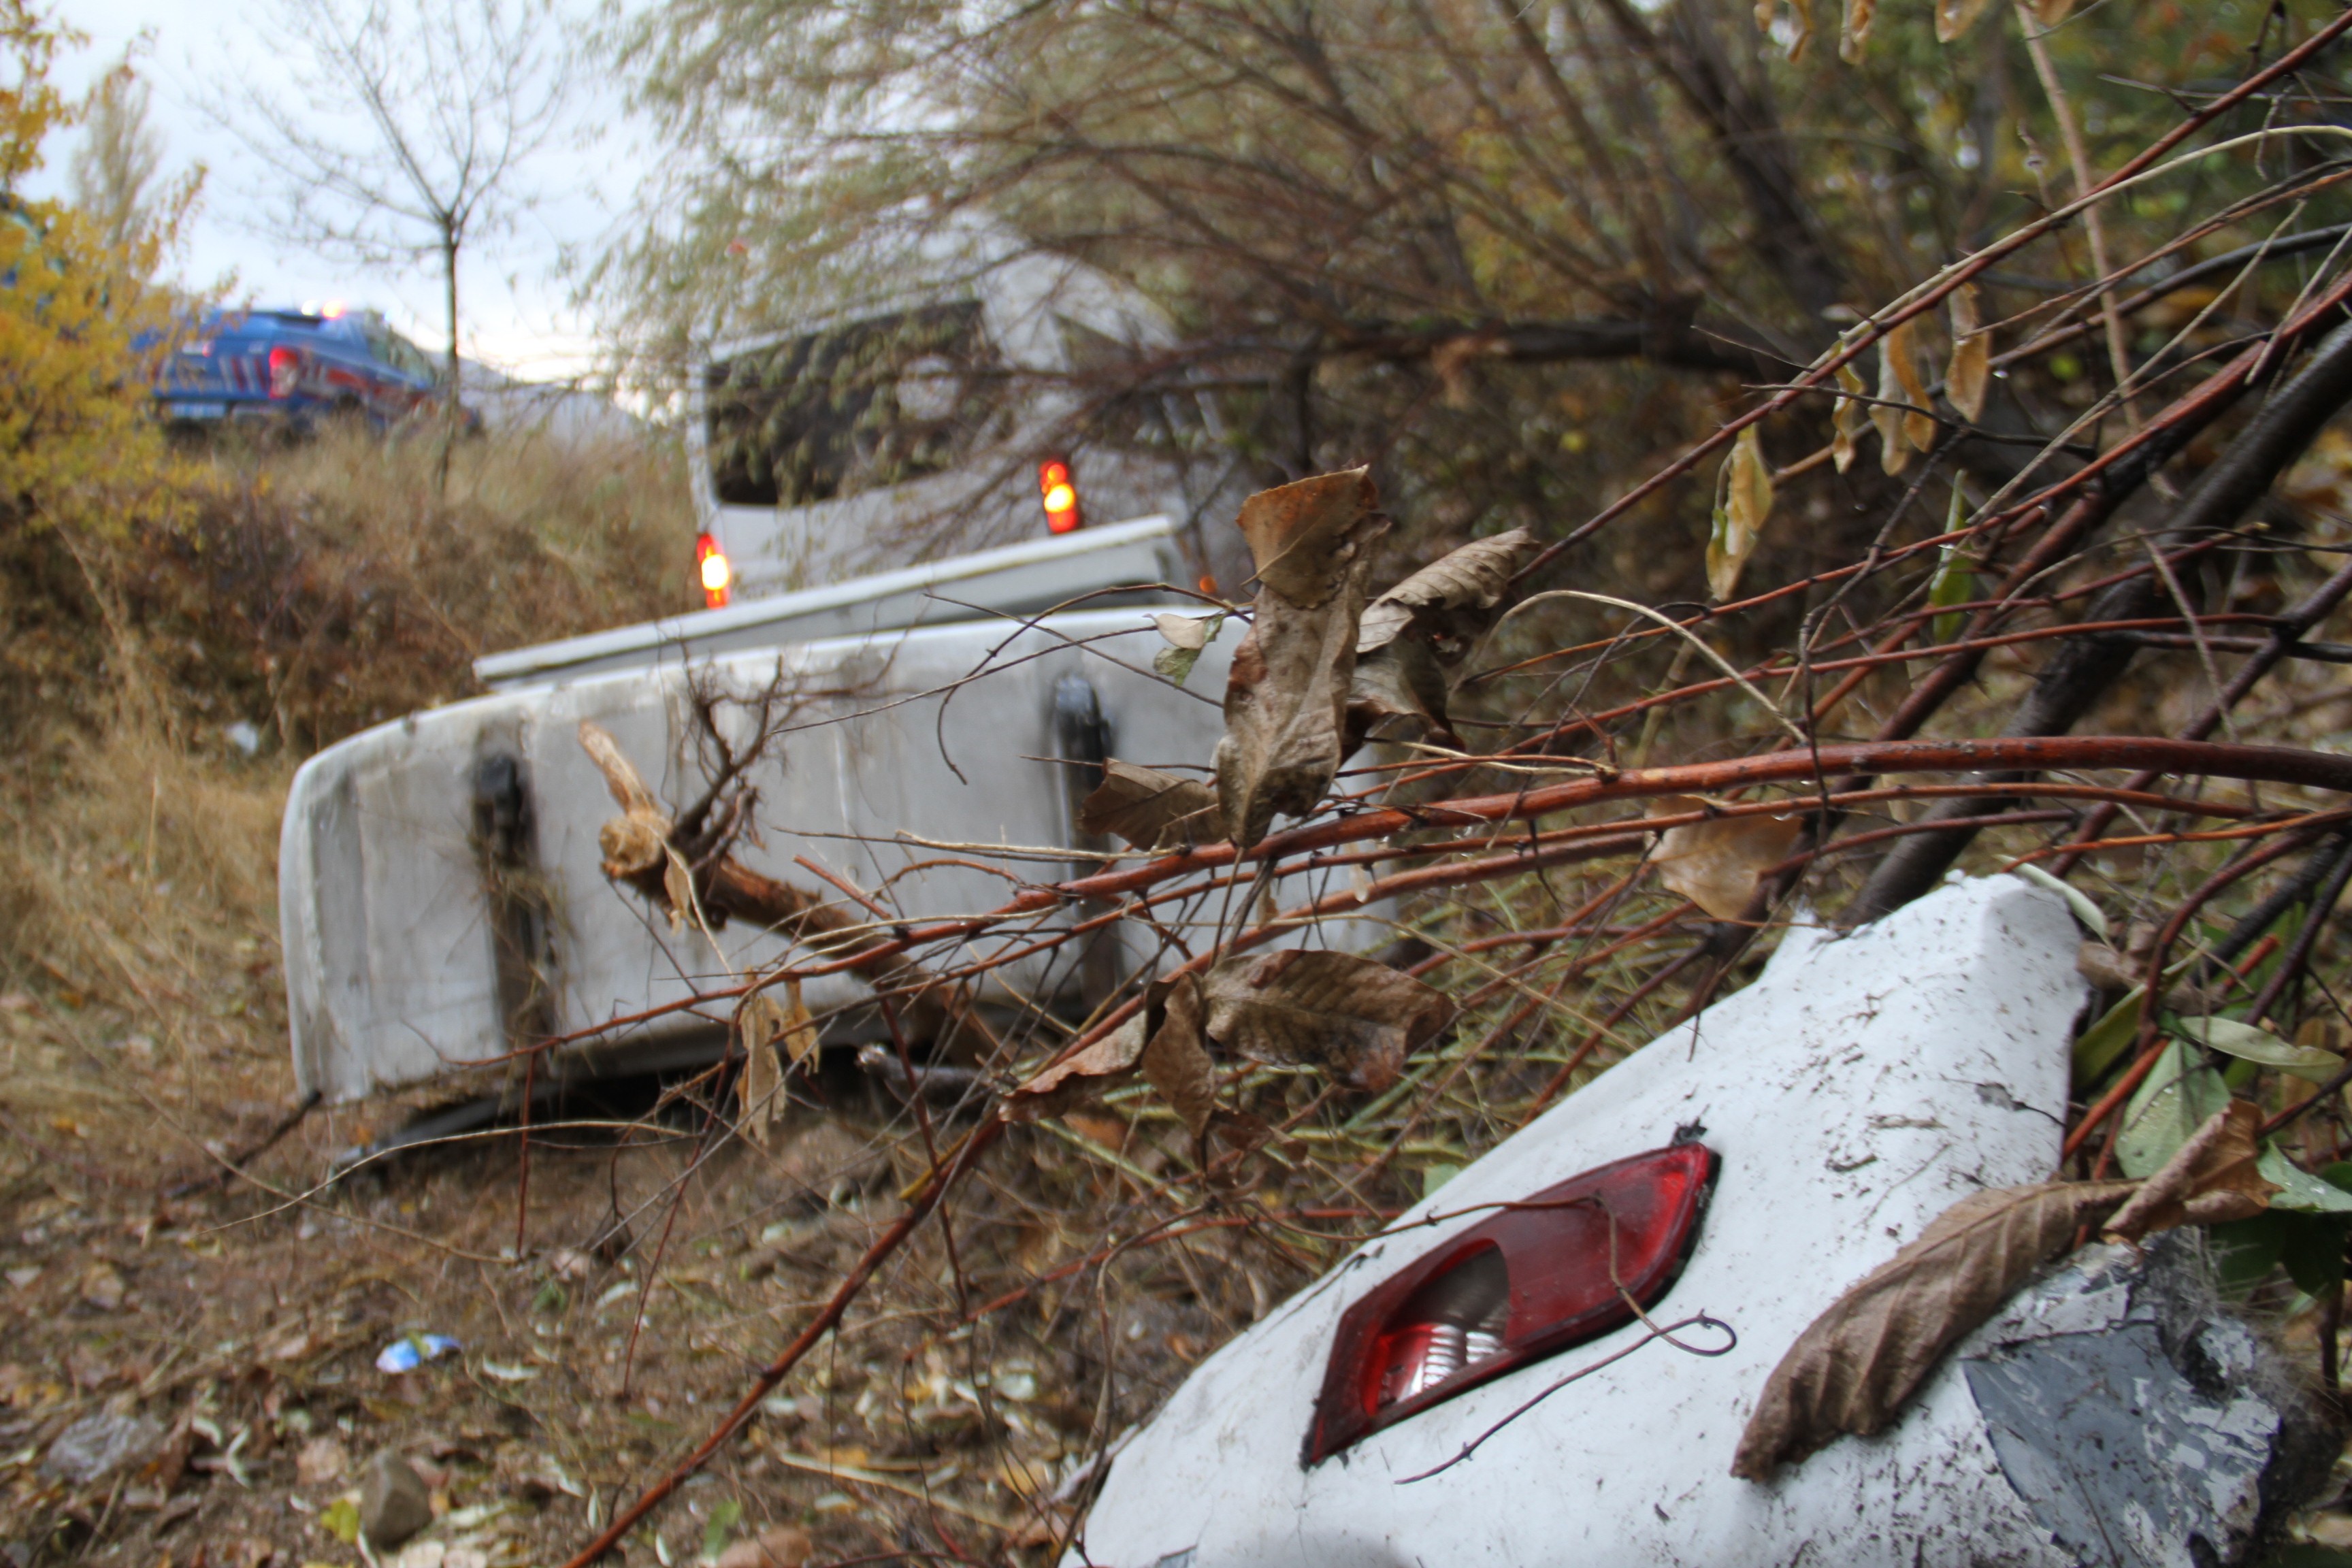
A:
[310, 591]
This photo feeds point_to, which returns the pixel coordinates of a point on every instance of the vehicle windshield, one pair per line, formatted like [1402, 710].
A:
[836, 412]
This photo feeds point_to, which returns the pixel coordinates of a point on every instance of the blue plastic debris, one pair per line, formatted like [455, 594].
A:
[410, 1351]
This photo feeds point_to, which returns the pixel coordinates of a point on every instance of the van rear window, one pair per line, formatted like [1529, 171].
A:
[856, 408]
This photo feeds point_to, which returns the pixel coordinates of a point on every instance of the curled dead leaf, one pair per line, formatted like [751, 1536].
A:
[1853, 34]
[1175, 1063]
[1954, 18]
[1150, 809]
[1350, 1016]
[1414, 638]
[2210, 1179]
[1451, 599]
[758, 1023]
[620, 775]
[1745, 488]
[1969, 375]
[1066, 1085]
[1716, 863]
[635, 844]
[1287, 693]
[1852, 418]
[800, 1033]
[1852, 1368]
[1310, 539]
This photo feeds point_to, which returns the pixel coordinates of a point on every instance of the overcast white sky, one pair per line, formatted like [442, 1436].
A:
[516, 308]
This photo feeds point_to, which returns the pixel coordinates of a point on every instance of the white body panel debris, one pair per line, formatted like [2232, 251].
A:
[396, 840]
[1853, 1092]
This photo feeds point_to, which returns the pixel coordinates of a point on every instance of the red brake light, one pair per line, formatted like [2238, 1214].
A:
[1547, 1272]
[1060, 494]
[285, 371]
[712, 572]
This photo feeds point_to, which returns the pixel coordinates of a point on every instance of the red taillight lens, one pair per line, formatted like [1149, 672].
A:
[712, 572]
[1060, 494]
[285, 371]
[1541, 1274]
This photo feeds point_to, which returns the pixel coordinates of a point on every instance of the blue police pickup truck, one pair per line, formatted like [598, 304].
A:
[293, 369]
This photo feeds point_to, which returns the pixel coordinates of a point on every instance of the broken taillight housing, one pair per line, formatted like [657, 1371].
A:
[1547, 1271]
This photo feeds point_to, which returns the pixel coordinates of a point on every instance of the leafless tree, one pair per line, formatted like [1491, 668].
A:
[402, 127]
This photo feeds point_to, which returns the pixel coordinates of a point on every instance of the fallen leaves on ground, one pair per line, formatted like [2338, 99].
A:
[1350, 1016]
[1286, 696]
[1715, 864]
[1150, 809]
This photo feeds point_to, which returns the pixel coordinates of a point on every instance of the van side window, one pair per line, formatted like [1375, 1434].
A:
[831, 415]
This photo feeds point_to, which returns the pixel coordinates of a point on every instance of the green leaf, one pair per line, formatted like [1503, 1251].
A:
[2298, 1190]
[1176, 663]
[342, 1520]
[1955, 581]
[2172, 1102]
[2108, 1039]
[720, 1526]
[2247, 1043]
[2093, 919]
[1435, 1176]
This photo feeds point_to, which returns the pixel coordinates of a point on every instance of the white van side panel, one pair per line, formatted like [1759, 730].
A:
[389, 956]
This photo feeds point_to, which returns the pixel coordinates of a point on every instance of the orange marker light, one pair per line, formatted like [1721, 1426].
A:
[711, 568]
[1060, 496]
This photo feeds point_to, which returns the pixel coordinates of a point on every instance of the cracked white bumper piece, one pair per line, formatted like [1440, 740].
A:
[1859, 1088]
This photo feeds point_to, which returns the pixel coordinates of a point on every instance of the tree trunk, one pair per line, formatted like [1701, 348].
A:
[451, 410]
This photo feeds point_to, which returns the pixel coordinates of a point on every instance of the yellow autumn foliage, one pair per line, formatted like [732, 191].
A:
[80, 326]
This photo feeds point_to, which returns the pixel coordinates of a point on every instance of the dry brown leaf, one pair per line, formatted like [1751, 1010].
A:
[757, 1024]
[800, 1032]
[1969, 375]
[1851, 1371]
[1850, 419]
[635, 842]
[2050, 12]
[1715, 864]
[1746, 488]
[1190, 633]
[1414, 637]
[2210, 1179]
[620, 775]
[1175, 1063]
[1286, 694]
[1066, 1085]
[1918, 424]
[1310, 539]
[1150, 809]
[1350, 1016]
[1804, 11]
[1765, 11]
[1853, 34]
[1954, 18]
[1452, 598]
[678, 891]
[1887, 414]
